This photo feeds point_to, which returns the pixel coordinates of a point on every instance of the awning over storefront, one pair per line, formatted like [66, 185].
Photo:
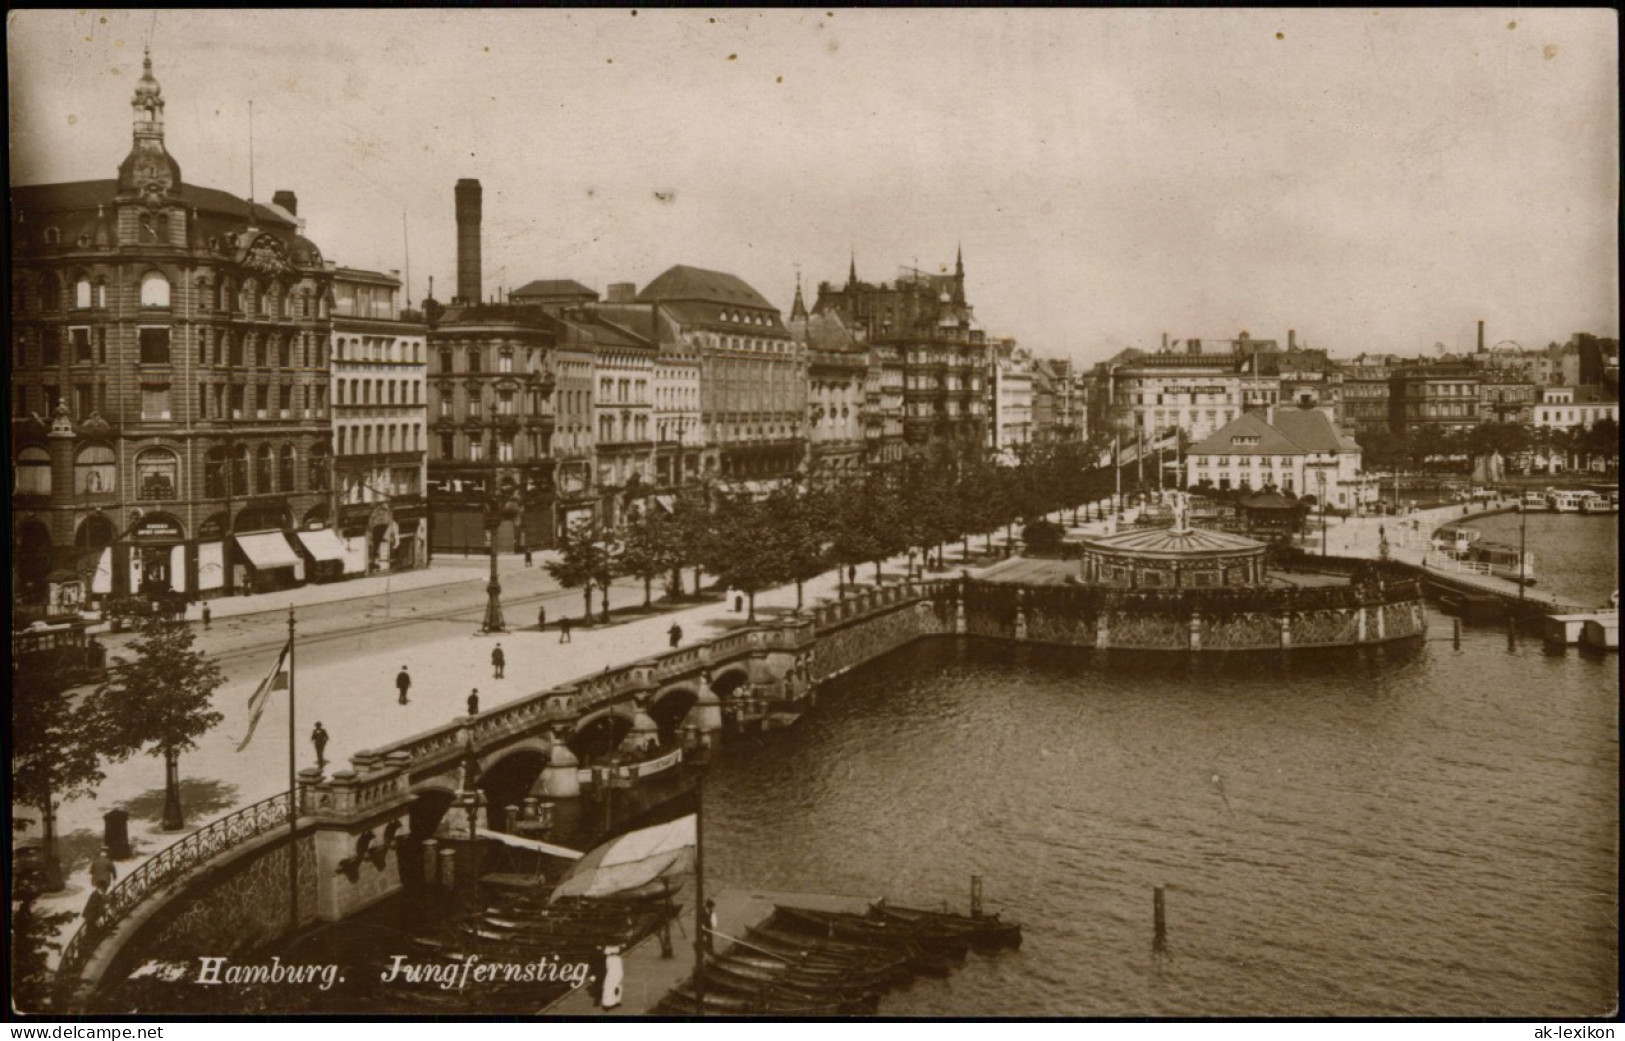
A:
[268, 549]
[323, 544]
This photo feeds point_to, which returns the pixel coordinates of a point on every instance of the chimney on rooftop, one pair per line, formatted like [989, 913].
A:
[1481, 336]
[469, 196]
[621, 293]
[1292, 339]
[287, 200]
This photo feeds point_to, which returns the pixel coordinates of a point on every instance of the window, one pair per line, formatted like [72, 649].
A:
[154, 290]
[505, 362]
[445, 360]
[154, 340]
[474, 404]
[285, 404]
[505, 449]
[51, 348]
[476, 450]
[474, 363]
[284, 352]
[319, 470]
[93, 470]
[214, 474]
[505, 403]
[154, 401]
[81, 293]
[157, 469]
[239, 471]
[262, 400]
[33, 472]
[236, 395]
[264, 478]
[49, 292]
[448, 445]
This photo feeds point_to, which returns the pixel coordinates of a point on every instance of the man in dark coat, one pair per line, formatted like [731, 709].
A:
[403, 683]
[498, 661]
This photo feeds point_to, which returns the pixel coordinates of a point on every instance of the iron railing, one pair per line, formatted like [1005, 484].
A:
[164, 869]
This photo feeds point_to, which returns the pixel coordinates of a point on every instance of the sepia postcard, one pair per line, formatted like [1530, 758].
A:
[941, 514]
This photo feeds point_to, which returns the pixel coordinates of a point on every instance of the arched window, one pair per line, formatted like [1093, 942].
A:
[321, 458]
[239, 471]
[264, 475]
[286, 468]
[81, 292]
[33, 472]
[157, 473]
[251, 297]
[50, 293]
[214, 473]
[154, 290]
[93, 470]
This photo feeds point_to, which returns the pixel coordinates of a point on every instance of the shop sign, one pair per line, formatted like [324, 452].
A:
[158, 529]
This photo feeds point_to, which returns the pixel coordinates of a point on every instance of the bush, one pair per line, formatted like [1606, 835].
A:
[1043, 537]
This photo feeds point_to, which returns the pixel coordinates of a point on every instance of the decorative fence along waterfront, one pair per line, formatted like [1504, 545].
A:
[169, 866]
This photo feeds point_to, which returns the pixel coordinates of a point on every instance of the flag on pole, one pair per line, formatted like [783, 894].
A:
[276, 680]
[657, 843]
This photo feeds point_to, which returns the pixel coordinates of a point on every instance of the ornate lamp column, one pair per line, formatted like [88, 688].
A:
[503, 505]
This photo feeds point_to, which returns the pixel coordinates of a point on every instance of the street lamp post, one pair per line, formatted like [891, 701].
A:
[1321, 477]
[496, 509]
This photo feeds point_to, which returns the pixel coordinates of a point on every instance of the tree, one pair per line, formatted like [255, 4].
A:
[747, 552]
[802, 529]
[160, 700]
[33, 939]
[57, 744]
[586, 558]
[651, 546]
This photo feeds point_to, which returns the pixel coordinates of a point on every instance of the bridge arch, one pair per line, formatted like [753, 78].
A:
[601, 732]
[510, 777]
[729, 680]
[670, 707]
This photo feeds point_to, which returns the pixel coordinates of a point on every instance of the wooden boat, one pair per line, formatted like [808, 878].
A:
[750, 980]
[685, 1002]
[909, 958]
[872, 930]
[985, 931]
[849, 977]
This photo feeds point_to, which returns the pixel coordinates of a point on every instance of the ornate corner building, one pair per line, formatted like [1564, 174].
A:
[169, 381]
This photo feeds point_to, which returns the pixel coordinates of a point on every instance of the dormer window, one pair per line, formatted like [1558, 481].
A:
[1244, 439]
[53, 236]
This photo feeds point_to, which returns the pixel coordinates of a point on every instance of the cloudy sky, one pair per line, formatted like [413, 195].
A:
[1376, 179]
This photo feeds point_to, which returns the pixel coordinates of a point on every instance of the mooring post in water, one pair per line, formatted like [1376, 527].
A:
[1512, 632]
[1159, 935]
[1455, 633]
[431, 861]
[976, 896]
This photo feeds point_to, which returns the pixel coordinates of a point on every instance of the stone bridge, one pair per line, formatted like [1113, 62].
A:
[361, 830]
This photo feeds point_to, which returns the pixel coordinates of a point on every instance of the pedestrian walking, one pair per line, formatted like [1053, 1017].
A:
[527, 557]
[403, 683]
[474, 702]
[94, 905]
[564, 630]
[541, 619]
[207, 616]
[318, 737]
[676, 632]
[103, 870]
[614, 975]
[498, 660]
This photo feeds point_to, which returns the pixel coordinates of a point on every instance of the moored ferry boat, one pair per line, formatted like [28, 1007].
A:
[1595, 503]
[1533, 502]
[1567, 501]
[1502, 561]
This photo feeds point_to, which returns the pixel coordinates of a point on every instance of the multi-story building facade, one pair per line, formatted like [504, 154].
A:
[679, 433]
[753, 378]
[838, 372]
[574, 418]
[1297, 451]
[380, 429]
[623, 411]
[1441, 397]
[169, 381]
[1011, 399]
[1146, 395]
[1506, 396]
[1059, 413]
[1365, 397]
[1573, 408]
[945, 356]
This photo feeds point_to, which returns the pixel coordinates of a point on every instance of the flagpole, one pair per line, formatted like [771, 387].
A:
[293, 796]
[702, 920]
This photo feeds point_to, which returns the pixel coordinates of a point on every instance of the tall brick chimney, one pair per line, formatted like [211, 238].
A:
[1481, 336]
[469, 208]
[1292, 339]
